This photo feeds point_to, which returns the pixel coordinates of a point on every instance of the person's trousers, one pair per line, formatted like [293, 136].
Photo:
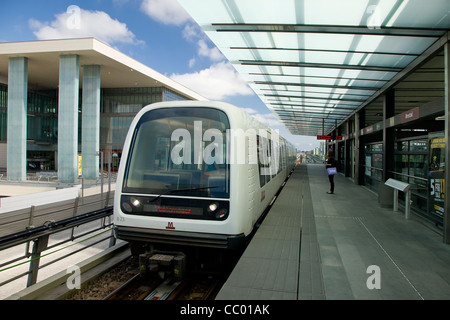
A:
[331, 178]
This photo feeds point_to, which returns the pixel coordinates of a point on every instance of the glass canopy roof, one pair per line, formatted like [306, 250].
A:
[315, 62]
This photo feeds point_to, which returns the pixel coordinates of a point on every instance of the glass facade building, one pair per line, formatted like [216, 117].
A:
[118, 106]
[3, 111]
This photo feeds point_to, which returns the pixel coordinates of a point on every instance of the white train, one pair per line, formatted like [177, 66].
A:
[197, 173]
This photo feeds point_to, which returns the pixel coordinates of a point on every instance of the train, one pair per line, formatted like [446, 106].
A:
[197, 173]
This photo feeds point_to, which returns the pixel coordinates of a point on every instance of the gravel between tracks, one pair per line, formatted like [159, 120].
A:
[107, 282]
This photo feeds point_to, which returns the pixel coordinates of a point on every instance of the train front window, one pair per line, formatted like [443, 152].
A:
[179, 151]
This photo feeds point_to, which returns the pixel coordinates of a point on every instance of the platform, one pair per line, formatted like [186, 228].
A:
[313, 245]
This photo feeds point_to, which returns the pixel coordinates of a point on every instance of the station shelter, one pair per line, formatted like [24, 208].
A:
[372, 75]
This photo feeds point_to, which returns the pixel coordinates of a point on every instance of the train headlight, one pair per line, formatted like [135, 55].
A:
[213, 207]
[135, 202]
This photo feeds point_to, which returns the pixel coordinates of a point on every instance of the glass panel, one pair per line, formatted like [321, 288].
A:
[412, 11]
[314, 72]
[418, 145]
[113, 131]
[405, 145]
[377, 147]
[417, 166]
[377, 160]
[172, 96]
[274, 35]
[168, 164]
[391, 13]
[401, 166]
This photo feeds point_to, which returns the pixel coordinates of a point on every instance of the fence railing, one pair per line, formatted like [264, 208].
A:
[33, 226]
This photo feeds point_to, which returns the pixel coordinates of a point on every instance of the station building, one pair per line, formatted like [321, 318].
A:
[64, 102]
[373, 77]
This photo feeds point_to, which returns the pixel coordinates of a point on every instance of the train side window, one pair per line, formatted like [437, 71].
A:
[262, 180]
[264, 151]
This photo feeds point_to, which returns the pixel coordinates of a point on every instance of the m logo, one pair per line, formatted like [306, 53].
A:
[170, 226]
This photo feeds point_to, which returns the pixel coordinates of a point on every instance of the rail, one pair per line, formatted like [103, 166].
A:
[37, 238]
[409, 176]
[374, 168]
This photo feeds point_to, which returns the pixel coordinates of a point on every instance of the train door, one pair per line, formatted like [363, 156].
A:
[436, 177]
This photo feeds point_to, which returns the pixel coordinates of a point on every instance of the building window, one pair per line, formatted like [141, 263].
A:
[412, 165]
[3, 111]
[169, 95]
[373, 165]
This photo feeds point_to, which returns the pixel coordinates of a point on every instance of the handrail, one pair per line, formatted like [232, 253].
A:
[369, 167]
[409, 176]
[40, 236]
[401, 174]
[52, 227]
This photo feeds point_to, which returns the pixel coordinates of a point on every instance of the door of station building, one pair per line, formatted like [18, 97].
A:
[436, 177]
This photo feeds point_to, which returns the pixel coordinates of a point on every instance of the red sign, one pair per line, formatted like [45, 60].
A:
[409, 115]
[329, 138]
[173, 210]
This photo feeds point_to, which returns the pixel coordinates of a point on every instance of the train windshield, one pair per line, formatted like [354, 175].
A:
[179, 151]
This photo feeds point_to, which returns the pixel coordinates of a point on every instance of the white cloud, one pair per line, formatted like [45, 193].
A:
[191, 32]
[268, 119]
[171, 12]
[192, 62]
[79, 23]
[250, 110]
[165, 11]
[212, 53]
[215, 83]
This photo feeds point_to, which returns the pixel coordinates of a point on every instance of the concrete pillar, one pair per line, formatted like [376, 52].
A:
[17, 118]
[347, 155]
[90, 129]
[68, 118]
[388, 135]
[360, 117]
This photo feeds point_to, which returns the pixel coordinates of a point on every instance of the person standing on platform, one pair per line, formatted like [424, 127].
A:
[331, 165]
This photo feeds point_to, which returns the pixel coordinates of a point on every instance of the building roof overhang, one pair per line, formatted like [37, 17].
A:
[315, 63]
[117, 69]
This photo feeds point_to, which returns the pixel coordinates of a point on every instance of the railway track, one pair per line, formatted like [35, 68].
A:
[197, 287]
[125, 281]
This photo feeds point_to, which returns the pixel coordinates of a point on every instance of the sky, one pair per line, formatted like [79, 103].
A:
[157, 33]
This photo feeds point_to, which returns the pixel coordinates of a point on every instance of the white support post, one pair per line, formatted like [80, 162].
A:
[395, 200]
[407, 204]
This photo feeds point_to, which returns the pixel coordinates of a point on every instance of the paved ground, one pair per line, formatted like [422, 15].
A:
[313, 245]
[354, 233]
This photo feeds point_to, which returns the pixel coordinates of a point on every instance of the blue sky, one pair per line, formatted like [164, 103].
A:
[158, 33]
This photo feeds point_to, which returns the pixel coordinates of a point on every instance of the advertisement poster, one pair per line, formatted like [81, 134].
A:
[436, 176]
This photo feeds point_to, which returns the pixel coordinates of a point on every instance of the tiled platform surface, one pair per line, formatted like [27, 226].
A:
[313, 245]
